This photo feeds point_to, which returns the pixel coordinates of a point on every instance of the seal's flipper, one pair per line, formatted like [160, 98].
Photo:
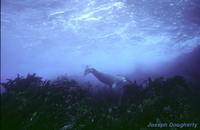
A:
[88, 70]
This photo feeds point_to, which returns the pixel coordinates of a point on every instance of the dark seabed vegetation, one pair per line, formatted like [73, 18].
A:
[30, 103]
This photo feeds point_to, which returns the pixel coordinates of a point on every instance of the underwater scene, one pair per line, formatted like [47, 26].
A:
[100, 64]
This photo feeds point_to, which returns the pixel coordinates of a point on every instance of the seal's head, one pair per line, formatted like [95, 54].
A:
[121, 80]
[88, 70]
[124, 80]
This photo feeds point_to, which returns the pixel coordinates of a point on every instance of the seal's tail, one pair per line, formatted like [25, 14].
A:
[88, 70]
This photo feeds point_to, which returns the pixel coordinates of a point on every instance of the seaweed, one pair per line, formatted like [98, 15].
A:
[30, 103]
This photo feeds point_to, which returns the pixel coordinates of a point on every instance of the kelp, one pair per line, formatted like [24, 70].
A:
[30, 103]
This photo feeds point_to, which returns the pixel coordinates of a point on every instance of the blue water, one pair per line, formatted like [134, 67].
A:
[52, 37]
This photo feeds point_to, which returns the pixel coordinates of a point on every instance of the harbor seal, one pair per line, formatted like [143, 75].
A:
[105, 78]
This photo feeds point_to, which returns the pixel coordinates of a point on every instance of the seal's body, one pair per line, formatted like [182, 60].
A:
[108, 79]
